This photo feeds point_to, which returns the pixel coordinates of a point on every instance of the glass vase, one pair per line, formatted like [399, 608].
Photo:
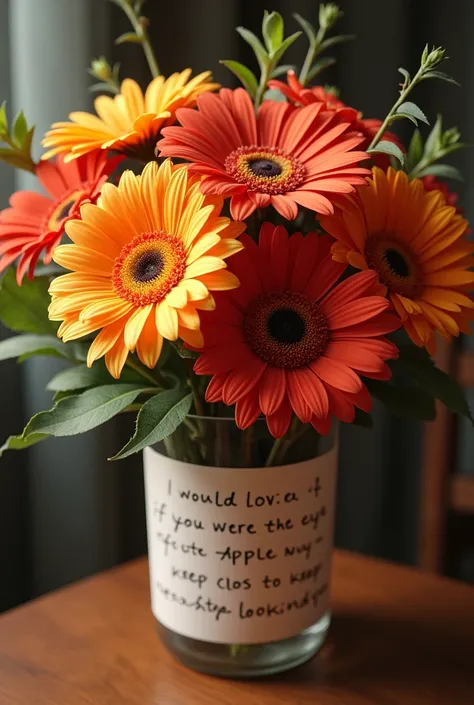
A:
[240, 535]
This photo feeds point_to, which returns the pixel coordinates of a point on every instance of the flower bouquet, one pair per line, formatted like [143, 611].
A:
[270, 262]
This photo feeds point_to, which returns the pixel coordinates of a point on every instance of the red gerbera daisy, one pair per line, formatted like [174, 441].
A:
[34, 224]
[289, 340]
[368, 127]
[283, 157]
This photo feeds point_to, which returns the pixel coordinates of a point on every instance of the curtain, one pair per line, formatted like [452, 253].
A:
[65, 512]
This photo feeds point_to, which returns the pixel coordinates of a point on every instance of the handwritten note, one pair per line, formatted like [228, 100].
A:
[239, 556]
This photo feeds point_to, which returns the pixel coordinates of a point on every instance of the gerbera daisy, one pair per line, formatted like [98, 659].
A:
[431, 183]
[289, 340]
[143, 262]
[34, 224]
[131, 121]
[283, 157]
[368, 127]
[416, 243]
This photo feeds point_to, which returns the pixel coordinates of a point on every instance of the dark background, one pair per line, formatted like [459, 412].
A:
[64, 511]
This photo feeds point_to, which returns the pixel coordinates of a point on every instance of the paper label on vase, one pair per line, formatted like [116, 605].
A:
[239, 555]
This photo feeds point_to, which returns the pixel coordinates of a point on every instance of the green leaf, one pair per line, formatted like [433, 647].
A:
[3, 119]
[272, 30]
[25, 308]
[441, 76]
[18, 160]
[275, 95]
[101, 87]
[434, 139]
[159, 417]
[244, 74]
[307, 27]
[128, 37]
[282, 70]
[445, 171]
[57, 396]
[390, 148]
[80, 377]
[20, 129]
[319, 66]
[183, 351]
[408, 402]
[405, 74]
[20, 443]
[284, 46]
[432, 380]
[83, 377]
[258, 48]
[339, 39]
[81, 413]
[412, 112]
[23, 346]
[415, 150]
[28, 141]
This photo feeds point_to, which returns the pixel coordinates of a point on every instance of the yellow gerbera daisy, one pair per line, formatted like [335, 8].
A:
[418, 245]
[131, 121]
[143, 262]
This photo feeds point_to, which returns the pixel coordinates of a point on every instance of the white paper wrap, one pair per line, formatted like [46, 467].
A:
[239, 556]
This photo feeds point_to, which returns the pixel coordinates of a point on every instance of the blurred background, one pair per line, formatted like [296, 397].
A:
[406, 490]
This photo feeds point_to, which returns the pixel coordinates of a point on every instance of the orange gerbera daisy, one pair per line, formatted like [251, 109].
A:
[417, 244]
[289, 340]
[283, 157]
[431, 183]
[368, 127]
[34, 224]
[143, 262]
[131, 121]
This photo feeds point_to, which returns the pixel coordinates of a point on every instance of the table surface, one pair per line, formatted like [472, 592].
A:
[399, 637]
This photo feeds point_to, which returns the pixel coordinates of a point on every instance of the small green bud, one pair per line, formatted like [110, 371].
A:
[431, 58]
[328, 15]
[100, 68]
[451, 136]
[332, 90]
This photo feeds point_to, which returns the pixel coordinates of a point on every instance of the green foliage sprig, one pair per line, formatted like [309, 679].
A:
[18, 138]
[422, 157]
[268, 54]
[402, 108]
[329, 15]
[107, 75]
[140, 23]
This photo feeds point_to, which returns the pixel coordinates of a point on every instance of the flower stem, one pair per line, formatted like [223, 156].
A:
[404, 93]
[314, 51]
[198, 405]
[282, 445]
[137, 367]
[264, 78]
[278, 445]
[139, 25]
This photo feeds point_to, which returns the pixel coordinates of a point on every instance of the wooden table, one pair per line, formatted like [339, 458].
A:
[399, 637]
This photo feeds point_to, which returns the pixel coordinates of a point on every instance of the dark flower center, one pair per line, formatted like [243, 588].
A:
[148, 266]
[286, 326]
[397, 263]
[64, 212]
[265, 167]
[286, 329]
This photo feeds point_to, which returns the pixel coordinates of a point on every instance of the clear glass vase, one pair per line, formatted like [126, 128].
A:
[285, 492]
